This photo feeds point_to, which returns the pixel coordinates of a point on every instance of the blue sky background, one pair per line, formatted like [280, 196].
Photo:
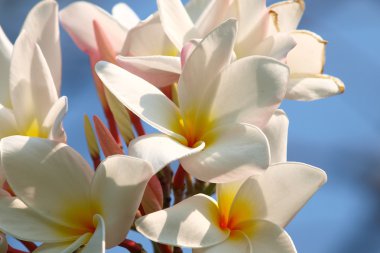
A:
[340, 135]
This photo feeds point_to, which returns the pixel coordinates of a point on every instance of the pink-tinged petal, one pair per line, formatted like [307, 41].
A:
[52, 124]
[148, 38]
[236, 242]
[149, 147]
[187, 50]
[77, 19]
[142, 98]
[208, 58]
[289, 14]
[308, 87]
[232, 152]
[265, 236]
[192, 223]
[106, 140]
[117, 190]
[42, 26]
[125, 15]
[5, 59]
[8, 124]
[175, 21]
[52, 178]
[308, 57]
[22, 222]
[158, 70]
[97, 243]
[287, 187]
[31, 85]
[64, 247]
[276, 46]
[248, 90]
[276, 132]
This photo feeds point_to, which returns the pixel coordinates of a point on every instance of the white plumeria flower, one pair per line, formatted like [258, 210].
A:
[307, 59]
[247, 217]
[30, 77]
[206, 131]
[61, 202]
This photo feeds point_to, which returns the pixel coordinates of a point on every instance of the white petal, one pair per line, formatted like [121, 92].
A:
[308, 57]
[276, 132]
[52, 178]
[276, 46]
[117, 190]
[287, 187]
[64, 247]
[32, 87]
[289, 14]
[5, 59]
[158, 70]
[195, 8]
[149, 147]
[192, 223]
[306, 87]
[53, 121]
[8, 124]
[22, 222]
[249, 90]
[125, 15]
[175, 21]
[97, 242]
[268, 237]
[77, 19]
[142, 98]
[236, 242]
[42, 26]
[232, 152]
[203, 65]
[148, 38]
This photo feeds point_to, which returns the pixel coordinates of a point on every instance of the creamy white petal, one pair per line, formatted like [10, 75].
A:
[77, 19]
[175, 21]
[236, 242]
[52, 124]
[305, 87]
[308, 57]
[277, 46]
[64, 247]
[276, 132]
[5, 58]
[22, 222]
[52, 178]
[148, 38]
[203, 65]
[193, 223]
[117, 190]
[142, 98]
[158, 70]
[289, 14]
[232, 152]
[287, 187]
[97, 242]
[125, 15]
[8, 124]
[195, 8]
[249, 90]
[42, 26]
[160, 150]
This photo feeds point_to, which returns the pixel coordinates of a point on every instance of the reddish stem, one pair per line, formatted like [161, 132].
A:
[29, 245]
[164, 248]
[13, 250]
[132, 246]
[112, 124]
[179, 184]
[95, 161]
[137, 124]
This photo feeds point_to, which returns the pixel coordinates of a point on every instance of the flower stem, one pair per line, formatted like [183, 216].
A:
[179, 184]
[29, 245]
[137, 124]
[132, 246]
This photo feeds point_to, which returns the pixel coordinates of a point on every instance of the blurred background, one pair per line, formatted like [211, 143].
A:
[340, 135]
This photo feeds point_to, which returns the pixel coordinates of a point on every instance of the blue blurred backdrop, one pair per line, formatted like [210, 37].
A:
[340, 135]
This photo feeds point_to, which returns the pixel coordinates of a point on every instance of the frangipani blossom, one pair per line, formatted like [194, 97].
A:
[30, 77]
[247, 217]
[61, 202]
[221, 107]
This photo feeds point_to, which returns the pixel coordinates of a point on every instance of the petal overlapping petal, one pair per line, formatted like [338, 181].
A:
[193, 223]
[232, 152]
[289, 14]
[52, 124]
[277, 46]
[97, 243]
[5, 58]
[236, 242]
[8, 124]
[125, 15]
[64, 247]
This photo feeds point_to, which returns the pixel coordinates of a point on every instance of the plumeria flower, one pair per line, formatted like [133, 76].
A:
[221, 108]
[30, 77]
[61, 202]
[307, 59]
[248, 216]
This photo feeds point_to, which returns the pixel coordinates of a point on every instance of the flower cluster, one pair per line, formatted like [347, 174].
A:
[210, 77]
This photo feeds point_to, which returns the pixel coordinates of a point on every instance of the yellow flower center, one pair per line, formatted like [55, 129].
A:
[34, 130]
